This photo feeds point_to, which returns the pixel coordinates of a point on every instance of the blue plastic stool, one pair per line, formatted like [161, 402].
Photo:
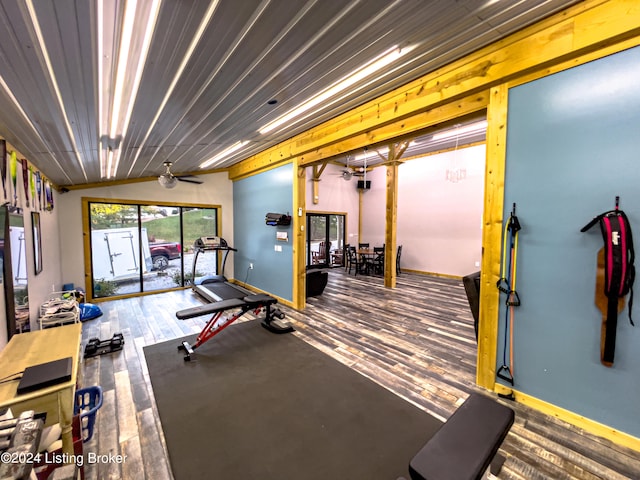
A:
[88, 401]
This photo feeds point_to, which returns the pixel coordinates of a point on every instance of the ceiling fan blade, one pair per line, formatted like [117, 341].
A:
[189, 179]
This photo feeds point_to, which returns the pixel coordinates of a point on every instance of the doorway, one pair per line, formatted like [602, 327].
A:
[325, 239]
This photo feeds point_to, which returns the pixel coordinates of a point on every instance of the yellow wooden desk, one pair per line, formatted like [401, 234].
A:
[32, 348]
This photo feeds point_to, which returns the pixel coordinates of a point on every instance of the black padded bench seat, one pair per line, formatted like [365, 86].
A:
[209, 308]
[259, 299]
[464, 446]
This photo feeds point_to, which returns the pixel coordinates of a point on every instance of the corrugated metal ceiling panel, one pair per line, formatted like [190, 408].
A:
[251, 51]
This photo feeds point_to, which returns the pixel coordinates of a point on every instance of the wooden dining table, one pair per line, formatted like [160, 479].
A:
[369, 254]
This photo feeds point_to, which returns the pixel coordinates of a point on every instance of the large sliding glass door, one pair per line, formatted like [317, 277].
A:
[142, 248]
[325, 238]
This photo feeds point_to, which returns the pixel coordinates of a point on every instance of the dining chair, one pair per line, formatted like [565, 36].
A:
[354, 261]
[321, 255]
[345, 256]
[337, 257]
[398, 271]
[376, 264]
[364, 266]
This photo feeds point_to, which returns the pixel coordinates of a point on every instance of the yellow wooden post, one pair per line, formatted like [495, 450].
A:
[391, 224]
[492, 236]
[299, 236]
[396, 150]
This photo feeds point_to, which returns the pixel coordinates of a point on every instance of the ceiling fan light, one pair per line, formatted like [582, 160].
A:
[167, 181]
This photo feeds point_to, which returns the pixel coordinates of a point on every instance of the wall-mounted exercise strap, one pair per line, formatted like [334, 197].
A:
[3, 165]
[507, 284]
[619, 271]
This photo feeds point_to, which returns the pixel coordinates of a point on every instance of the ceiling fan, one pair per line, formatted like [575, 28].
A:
[349, 172]
[169, 180]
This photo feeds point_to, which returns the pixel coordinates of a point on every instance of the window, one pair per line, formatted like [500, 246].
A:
[136, 248]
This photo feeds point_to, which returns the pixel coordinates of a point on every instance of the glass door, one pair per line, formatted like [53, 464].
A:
[115, 249]
[142, 248]
[325, 239]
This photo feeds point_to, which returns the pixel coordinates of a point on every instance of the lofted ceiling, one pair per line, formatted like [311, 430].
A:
[214, 74]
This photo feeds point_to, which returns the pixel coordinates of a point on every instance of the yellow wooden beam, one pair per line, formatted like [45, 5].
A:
[491, 236]
[317, 173]
[405, 128]
[585, 27]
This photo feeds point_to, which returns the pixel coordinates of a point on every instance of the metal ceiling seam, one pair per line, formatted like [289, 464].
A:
[192, 46]
[282, 67]
[218, 68]
[18, 107]
[404, 64]
[49, 68]
[16, 45]
[316, 37]
[433, 79]
[324, 31]
[248, 71]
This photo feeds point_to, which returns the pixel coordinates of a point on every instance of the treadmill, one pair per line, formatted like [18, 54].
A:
[215, 288]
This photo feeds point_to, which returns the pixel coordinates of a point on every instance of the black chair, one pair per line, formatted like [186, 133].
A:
[363, 259]
[398, 271]
[316, 281]
[345, 256]
[376, 263]
[354, 261]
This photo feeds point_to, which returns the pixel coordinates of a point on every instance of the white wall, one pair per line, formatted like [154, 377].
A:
[217, 189]
[50, 279]
[439, 222]
[375, 208]
[39, 285]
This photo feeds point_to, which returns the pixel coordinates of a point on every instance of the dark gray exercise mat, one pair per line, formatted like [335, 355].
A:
[261, 406]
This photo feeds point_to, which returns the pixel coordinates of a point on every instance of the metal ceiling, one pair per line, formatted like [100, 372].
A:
[251, 52]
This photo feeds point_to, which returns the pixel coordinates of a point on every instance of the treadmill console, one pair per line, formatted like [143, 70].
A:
[210, 243]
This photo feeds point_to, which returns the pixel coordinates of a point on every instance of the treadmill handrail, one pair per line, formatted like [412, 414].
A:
[198, 248]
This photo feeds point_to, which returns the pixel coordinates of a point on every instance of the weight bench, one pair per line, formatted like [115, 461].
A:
[240, 306]
[465, 445]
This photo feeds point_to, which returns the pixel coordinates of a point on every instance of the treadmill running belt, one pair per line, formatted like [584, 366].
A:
[224, 291]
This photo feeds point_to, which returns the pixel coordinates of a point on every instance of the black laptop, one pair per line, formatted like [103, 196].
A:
[45, 375]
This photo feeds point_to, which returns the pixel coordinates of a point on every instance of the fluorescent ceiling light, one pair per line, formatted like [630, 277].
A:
[225, 153]
[183, 65]
[136, 31]
[359, 74]
[54, 83]
[474, 127]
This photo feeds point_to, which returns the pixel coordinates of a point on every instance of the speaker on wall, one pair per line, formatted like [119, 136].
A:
[361, 184]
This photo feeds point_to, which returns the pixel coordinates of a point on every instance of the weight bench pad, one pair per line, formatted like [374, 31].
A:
[214, 307]
[259, 299]
[463, 447]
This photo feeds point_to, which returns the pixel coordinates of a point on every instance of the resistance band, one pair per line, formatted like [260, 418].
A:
[507, 285]
[3, 166]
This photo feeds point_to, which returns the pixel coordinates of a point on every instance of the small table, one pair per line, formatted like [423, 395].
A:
[33, 348]
[368, 254]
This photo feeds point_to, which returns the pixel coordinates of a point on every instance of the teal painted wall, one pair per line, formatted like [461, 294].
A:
[573, 144]
[253, 198]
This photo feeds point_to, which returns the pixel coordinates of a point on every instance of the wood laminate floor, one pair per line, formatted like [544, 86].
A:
[417, 340]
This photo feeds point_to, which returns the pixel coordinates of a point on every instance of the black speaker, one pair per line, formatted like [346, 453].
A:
[361, 184]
